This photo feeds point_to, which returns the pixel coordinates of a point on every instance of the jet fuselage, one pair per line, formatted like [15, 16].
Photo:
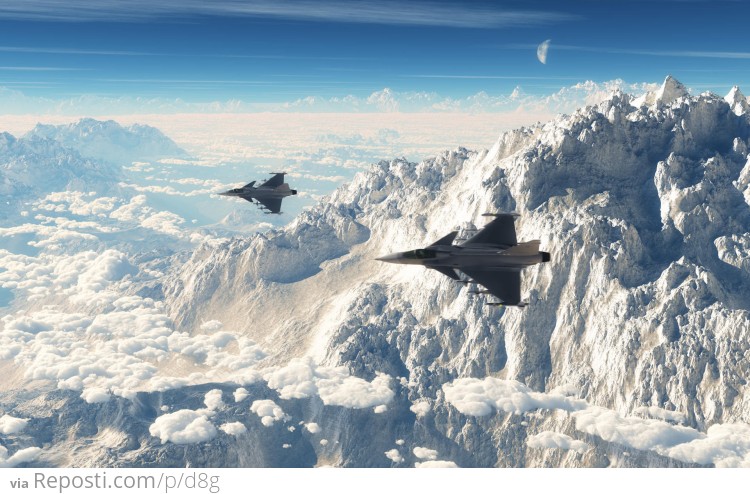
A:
[466, 257]
[261, 192]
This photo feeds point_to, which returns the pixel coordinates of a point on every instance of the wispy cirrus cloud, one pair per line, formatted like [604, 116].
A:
[64, 51]
[387, 12]
[38, 69]
[735, 55]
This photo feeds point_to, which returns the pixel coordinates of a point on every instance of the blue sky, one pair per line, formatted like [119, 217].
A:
[271, 52]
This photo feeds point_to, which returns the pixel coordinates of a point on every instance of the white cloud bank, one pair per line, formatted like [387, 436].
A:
[21, 456]
[386, 100]
[480, 397]
[724, 445]
[302, 378]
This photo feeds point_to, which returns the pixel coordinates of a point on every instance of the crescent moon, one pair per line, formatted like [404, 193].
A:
[541, 51]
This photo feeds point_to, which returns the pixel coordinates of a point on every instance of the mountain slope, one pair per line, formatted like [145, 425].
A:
[645, 211]
[109, 141]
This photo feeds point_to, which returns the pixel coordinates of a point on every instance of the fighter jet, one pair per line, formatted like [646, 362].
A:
[492, 258]
[268, 194]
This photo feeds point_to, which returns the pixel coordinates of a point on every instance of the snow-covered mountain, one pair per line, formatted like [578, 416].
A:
[109, 141]
[645, 211]
[39, 165]
[295, 348]
[83, 156]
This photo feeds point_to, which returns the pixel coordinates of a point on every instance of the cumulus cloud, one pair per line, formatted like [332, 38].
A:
[95, 395]
[632, 431]
[233, 428]
[550, 439]
[421, 408]
[12, 425]
[21, 456]
[128, 348]
[213, 399]
[184, 427]
[724, 445]
[425, 453]
[380, 409]
[480, 397]
[240, 394]
[268, 411]
[302, 378]
[394, 456]
[312, 428]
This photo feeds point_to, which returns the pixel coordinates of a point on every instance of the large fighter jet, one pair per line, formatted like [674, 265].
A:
[268, 194]
[491, 258]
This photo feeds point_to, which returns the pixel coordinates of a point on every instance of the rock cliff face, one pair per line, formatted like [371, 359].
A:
[644, 206]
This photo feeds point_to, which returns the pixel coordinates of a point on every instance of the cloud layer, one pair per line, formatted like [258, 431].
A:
[723, 445]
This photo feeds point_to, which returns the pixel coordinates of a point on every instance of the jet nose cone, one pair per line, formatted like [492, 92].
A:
[390, 258]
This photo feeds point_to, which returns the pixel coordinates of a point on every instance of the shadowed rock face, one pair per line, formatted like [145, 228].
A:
[634, 342]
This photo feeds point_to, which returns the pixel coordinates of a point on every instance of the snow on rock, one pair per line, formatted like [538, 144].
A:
[670, 91]
[737, 101]
[550, 439]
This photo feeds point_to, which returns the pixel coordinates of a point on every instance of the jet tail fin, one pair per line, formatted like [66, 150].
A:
[447, 240]
[525, 249]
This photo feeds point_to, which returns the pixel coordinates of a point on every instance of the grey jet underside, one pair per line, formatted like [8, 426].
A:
[492, 258]
[268, 195]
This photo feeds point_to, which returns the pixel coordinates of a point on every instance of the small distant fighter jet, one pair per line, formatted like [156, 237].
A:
[268, 194]
[491, 258]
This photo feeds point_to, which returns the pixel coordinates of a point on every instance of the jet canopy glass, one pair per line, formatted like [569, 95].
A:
[420, 254]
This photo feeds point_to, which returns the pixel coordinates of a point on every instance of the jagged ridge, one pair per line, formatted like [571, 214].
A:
[644, 205]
